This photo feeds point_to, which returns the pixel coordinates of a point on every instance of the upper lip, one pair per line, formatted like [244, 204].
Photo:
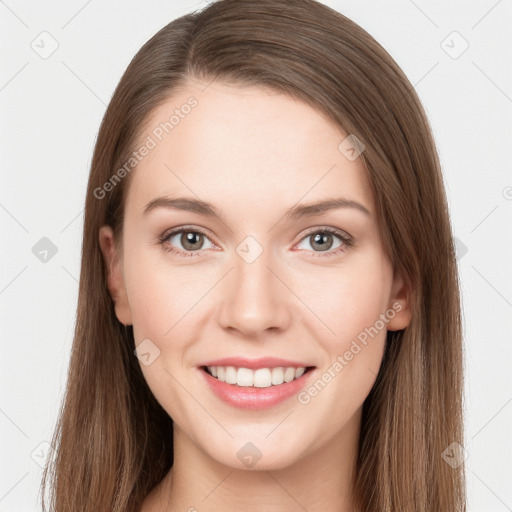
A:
[262, 362]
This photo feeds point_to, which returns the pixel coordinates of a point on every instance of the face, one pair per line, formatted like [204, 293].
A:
[253, 274]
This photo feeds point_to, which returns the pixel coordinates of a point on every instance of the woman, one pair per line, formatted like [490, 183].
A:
[268, 311]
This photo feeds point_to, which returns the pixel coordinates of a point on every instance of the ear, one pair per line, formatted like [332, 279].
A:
[115, 278]
[399, 302]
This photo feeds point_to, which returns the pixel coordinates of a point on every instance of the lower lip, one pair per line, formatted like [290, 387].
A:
[254, 398]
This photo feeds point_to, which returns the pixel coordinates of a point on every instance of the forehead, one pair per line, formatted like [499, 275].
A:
[247, 146]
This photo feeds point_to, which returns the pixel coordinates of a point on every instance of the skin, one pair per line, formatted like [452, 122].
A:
[253, 154]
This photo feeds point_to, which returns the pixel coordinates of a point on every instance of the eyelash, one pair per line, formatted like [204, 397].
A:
[347, 241]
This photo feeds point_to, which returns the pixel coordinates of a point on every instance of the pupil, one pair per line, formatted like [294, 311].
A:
[322, 239]
[190, 239]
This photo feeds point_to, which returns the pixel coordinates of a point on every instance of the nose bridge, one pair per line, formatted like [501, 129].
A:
[253, 299]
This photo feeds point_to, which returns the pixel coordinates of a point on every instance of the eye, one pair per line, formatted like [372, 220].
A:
[323, 240]
[191, 240]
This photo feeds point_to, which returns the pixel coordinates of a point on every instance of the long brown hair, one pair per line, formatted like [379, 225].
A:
[113, 441]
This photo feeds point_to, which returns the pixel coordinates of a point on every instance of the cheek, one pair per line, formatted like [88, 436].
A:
[348, 299]
[162, 299]
[160, 294]
[350, 305]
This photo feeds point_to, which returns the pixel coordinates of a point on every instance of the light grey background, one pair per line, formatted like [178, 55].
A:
[51, 109]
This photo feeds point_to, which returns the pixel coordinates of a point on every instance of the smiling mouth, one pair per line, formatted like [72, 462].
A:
[259, 378]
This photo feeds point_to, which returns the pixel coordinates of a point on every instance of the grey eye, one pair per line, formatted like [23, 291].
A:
[321, 241]
[190, 240]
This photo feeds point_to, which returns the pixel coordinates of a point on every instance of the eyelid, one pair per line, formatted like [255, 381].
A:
[327, 229]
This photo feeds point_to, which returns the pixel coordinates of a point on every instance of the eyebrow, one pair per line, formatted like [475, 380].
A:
[294, 213]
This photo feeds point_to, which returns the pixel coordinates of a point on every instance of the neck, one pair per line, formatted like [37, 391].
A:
[321, 480]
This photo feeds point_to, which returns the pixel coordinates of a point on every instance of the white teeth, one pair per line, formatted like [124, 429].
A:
[277, 376]
[244, 377]
[299, 372]
[231, 374]
[260, 378]
[289, 374]
[263, 378]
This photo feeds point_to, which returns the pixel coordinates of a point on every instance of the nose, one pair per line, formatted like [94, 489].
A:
[254, 298]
